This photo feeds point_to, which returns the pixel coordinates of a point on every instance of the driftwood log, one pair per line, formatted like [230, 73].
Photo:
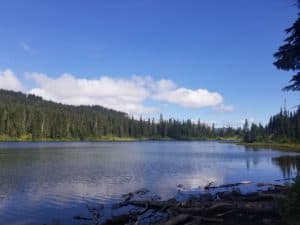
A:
[211, 209]
[209, 186]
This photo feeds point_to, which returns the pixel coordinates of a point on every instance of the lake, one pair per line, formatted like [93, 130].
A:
[49, 183]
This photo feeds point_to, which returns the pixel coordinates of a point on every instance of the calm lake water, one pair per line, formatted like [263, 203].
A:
[49, 183]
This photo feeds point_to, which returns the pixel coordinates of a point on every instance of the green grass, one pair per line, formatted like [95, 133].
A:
[272, 145]
[22, 138]
[4, 138]
[110, 138]
[289, 208]
[232, 138]
[113, 138]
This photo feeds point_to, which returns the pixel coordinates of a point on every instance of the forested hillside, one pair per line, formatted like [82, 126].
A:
[30, 117]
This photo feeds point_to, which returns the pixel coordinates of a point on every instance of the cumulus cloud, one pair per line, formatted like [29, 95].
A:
[190, 98]
[118, 94]
[9, 81]
[128, 95]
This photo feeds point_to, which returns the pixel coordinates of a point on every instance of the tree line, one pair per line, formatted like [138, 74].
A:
[282, 127]
[32, 118]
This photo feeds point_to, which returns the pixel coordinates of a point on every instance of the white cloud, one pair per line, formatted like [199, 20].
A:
[9, 81]
[128, 95]
[190, 98]
[118, 94]
[26, 47]
[167, 91]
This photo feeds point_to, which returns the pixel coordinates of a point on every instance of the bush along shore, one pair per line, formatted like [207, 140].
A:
[274, 204]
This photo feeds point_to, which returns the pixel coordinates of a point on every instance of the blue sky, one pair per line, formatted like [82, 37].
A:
[138, 49]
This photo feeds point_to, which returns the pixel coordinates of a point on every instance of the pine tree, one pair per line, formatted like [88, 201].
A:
[288, 55]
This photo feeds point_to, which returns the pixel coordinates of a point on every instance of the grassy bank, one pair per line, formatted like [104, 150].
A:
[230, 139]
[273, 145]
[109, 138]
[26, 138]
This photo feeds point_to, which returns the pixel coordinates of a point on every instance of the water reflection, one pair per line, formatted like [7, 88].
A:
[289, 165]
[40, 182]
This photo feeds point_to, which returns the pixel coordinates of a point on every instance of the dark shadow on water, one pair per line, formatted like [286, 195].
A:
[289, 165]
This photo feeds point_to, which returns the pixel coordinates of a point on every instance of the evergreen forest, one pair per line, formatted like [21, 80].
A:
[29, 117]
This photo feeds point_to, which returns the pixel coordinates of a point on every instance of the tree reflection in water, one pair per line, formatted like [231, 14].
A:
[289, 165]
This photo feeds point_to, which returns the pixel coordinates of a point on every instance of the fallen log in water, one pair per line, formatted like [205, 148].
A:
[150, 204]
[201, 211]
[286, 179]
[259, 184]
[209, 186]
[207, 209]
[128, 196]
[196, 211]
[271, 185]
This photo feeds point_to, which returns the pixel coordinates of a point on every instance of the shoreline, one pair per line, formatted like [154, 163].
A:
[293, 147]
[102, 139]
[222, 207]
